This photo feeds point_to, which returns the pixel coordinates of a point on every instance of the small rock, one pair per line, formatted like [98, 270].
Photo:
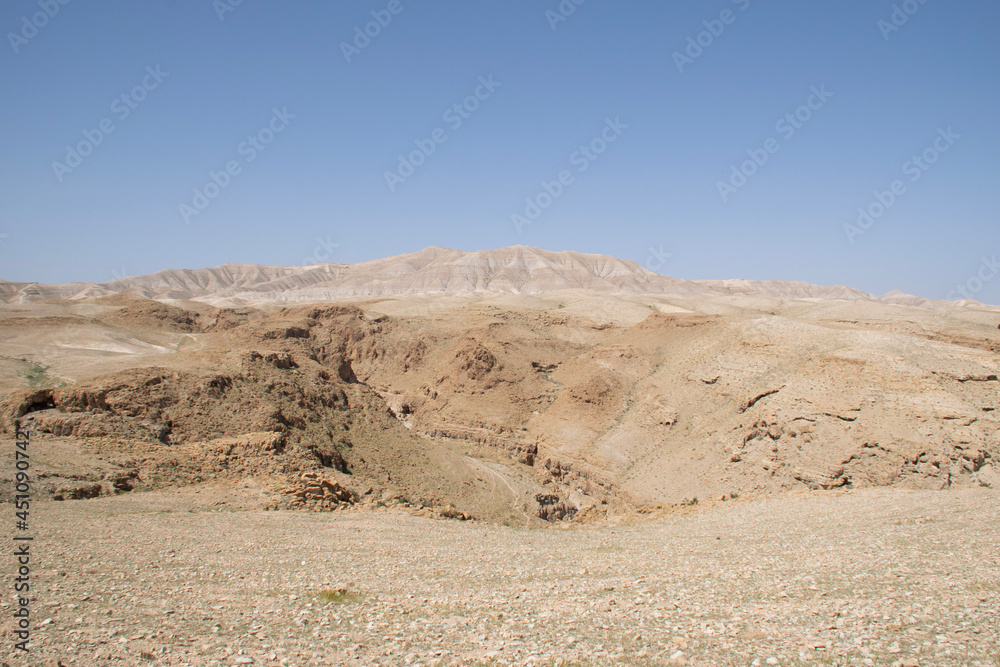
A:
[677, 659]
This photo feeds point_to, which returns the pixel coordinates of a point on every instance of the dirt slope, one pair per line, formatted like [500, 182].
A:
[516, 270]
[515, 410]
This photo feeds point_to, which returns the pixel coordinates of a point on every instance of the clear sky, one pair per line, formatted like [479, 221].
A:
[735, 138]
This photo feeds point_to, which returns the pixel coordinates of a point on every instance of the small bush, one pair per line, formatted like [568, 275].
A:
[338, 595]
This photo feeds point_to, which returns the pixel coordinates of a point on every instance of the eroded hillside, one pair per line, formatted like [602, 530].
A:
[505, 412]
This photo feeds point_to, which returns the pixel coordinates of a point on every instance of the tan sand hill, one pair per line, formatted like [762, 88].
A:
[516, 270]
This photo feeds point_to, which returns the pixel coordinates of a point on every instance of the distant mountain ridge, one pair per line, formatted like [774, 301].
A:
[434, 270]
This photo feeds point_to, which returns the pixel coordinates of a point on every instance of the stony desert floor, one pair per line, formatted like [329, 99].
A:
[183, 577]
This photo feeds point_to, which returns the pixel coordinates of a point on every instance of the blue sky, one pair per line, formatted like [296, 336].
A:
[192, 89]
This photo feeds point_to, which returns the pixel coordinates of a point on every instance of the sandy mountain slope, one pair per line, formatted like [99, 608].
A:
[516, 270]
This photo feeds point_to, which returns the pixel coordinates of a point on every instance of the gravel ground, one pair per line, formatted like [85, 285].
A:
[878, 577]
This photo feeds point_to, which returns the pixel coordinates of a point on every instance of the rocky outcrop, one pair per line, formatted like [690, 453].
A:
[552, 508]
[313, 492]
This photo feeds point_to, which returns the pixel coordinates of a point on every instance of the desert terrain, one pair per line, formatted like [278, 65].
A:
[503, 457]
[190, 577]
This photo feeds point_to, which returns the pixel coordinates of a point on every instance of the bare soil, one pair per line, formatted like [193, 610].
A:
[186, 577]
